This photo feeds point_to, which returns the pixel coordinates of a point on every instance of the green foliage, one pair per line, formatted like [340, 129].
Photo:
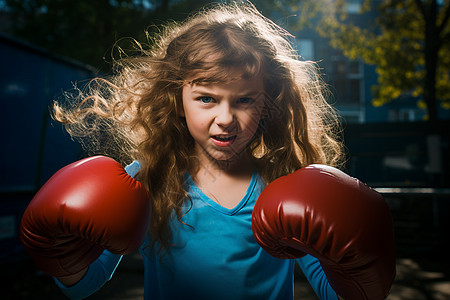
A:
[409, 47]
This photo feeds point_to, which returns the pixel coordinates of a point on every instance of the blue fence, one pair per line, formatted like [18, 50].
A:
[33, 145]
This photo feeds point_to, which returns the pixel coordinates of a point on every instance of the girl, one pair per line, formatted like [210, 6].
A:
[219, 107]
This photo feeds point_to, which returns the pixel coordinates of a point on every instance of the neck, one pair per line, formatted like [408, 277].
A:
[240, 166]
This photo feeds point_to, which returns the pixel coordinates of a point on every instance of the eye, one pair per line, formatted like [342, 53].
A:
[206, 99]
[246, 100]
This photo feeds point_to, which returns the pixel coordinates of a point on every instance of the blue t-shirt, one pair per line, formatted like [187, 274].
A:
[214, 256]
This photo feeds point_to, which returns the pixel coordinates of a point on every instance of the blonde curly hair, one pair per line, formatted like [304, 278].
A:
[135, 115]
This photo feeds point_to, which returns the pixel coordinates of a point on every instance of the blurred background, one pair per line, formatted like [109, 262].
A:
[387, 64]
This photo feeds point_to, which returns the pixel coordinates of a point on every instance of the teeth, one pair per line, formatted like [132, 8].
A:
[224, 138]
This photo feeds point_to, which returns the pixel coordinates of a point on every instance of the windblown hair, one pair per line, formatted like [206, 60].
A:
[136, 113]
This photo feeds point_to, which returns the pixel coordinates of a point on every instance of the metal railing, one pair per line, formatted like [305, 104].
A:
[421, 216]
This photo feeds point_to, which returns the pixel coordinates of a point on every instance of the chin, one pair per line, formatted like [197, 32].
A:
[223, 157]
[227, 157]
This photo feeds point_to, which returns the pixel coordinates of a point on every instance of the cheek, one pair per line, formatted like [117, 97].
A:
[196, 126]
[252, 121]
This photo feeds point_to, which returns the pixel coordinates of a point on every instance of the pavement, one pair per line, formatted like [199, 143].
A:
[419, 277]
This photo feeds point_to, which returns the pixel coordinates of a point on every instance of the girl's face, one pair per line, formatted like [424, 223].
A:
[223, 117]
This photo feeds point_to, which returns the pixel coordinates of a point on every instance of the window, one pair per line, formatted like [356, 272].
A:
[354, 92]
[347, 80]
[354, 67]
[306, 48]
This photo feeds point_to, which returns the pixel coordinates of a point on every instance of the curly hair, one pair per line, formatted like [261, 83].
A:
[136, 113]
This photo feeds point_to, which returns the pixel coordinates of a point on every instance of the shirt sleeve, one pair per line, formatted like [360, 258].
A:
[99, 272]
[316, 276]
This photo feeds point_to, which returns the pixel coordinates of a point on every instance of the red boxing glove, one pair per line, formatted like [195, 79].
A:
[321, 211]
[84, 208]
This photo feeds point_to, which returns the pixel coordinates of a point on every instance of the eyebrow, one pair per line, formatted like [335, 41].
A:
[199, 89]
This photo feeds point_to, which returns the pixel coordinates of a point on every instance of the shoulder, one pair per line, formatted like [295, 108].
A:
[260, 184]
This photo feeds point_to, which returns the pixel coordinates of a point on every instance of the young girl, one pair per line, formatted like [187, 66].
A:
[219, 107]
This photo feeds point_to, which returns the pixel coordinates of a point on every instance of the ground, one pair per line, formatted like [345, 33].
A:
[423, 276]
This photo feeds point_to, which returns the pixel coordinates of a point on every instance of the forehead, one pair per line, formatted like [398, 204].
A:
[243, 87]
[223, 76]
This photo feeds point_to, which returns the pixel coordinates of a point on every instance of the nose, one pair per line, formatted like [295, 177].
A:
[225, 115]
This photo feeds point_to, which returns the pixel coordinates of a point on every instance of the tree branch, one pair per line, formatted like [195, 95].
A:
[421, 8]
[446, 38]
[445, 20]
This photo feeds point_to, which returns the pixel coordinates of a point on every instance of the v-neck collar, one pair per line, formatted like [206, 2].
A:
[229, 211]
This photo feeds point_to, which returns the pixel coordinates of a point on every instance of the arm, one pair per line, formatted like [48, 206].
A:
[71, 280]
[316, 277]
[98, 273]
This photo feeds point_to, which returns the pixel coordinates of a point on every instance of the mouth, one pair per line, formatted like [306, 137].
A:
[223, 140]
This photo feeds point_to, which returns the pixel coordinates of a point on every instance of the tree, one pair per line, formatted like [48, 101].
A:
[409, 46]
